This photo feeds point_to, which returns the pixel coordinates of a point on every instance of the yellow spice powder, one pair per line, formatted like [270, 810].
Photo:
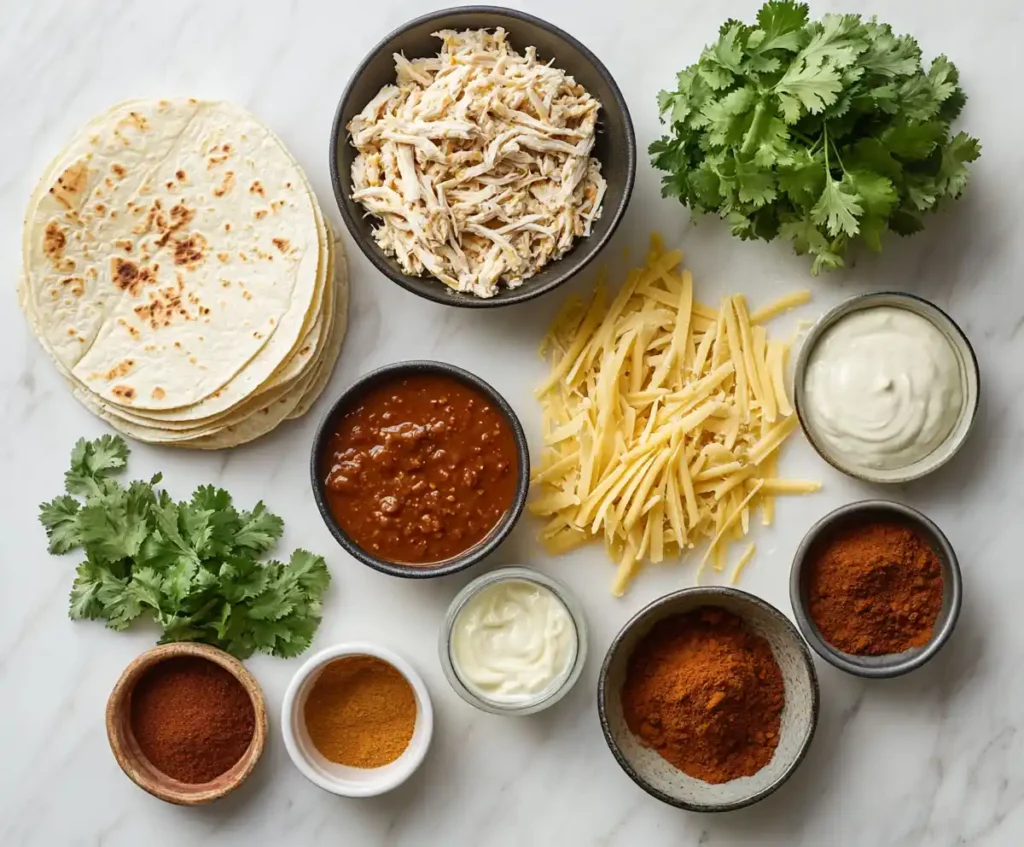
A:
[361, 712]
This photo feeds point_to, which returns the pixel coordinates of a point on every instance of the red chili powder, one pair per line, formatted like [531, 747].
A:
[191, 718]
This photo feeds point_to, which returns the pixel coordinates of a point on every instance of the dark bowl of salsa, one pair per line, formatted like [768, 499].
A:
[420, 469]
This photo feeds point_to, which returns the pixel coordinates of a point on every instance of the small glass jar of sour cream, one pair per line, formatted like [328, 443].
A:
[514, 642]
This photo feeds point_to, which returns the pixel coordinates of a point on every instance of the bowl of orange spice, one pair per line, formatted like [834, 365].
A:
[876, 588]
[708, 699]
[357, 720]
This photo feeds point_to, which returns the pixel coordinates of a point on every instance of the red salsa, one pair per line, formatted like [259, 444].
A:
[420, 469]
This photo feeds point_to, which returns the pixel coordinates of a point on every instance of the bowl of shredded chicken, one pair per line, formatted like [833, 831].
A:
[482, 157]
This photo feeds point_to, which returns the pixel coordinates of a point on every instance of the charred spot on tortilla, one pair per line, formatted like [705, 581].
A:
[181, 216]
[120, 171]
[119, 370]
[130, 277]
[54, 241]
[158, 393]
[123, 392]
[180, 175]
[71, 182]
[138, 121]
[76, 283]
[190, 251]
[226, 184]
[281, 244]
[257, 188]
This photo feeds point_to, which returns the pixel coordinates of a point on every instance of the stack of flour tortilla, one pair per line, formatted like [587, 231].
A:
[179, 272]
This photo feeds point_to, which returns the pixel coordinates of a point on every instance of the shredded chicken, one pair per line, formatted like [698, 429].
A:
[477, 162]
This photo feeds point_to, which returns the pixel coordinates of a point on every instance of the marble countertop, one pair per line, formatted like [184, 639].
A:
[935, 758]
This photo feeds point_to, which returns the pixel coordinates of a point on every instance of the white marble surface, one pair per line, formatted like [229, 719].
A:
[932, 759]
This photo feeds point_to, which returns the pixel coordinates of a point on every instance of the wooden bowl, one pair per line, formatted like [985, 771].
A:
[131, 758]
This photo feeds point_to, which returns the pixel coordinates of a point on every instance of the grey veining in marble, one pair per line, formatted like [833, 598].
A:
[936, 758]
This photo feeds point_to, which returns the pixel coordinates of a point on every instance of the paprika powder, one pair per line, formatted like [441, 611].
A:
[875, 589]
[191, 718]
[707, 694]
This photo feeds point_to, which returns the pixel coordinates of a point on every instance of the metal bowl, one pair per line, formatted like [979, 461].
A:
[896, 664]
[615, 147]
[481, 549]
[799, 716]
[970, 377]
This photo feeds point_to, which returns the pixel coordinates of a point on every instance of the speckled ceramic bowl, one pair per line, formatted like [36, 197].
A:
[799, 716]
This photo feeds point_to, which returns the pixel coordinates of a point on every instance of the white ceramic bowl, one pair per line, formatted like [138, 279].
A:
[342, 779]
[970, 385]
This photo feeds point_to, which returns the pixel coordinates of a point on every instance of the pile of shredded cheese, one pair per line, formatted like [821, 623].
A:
[662, 420]
[478, 164]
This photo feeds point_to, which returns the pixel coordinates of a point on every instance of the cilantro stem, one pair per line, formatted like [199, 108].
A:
[828, 166]
[804, 138]
[756, 130]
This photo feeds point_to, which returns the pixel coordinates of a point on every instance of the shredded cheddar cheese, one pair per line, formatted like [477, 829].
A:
[663, 418]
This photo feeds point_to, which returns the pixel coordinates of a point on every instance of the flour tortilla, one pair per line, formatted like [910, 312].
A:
[334, 348]
[263, 412]
[303, 359]
[175, 244]
[303, 355]
[258, 425]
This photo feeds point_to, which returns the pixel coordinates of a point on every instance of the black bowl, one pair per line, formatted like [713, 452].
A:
[866, 511]
[481, 549]
[615, 147]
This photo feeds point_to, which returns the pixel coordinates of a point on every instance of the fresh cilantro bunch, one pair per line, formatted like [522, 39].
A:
[821, 133]
[192, 566]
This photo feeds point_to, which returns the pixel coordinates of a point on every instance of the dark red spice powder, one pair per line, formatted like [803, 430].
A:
[875, 589]
[191, 718]
[706, 693]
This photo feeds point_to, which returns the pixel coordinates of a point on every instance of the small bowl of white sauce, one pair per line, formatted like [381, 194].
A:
[514, 642]
[886, 387]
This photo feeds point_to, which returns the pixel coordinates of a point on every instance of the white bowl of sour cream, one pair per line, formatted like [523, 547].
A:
[887, 387]
[514, 642]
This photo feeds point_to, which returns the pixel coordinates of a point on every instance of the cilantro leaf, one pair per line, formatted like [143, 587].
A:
[60, 517]
[804, 181]
[782, 23]
[725, 117]
[838, 40]
[259, 529]
[877, 194]
[953, 172]
[93, 463]
[190, 566]
[838, 208]
[807, 88]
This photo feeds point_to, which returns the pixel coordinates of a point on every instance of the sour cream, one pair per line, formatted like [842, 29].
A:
[512, 641]
[883, 388]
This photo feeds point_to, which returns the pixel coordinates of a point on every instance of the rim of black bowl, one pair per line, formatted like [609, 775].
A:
[884, 667]
[474, 554]
[711, 592]
[443, 294]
